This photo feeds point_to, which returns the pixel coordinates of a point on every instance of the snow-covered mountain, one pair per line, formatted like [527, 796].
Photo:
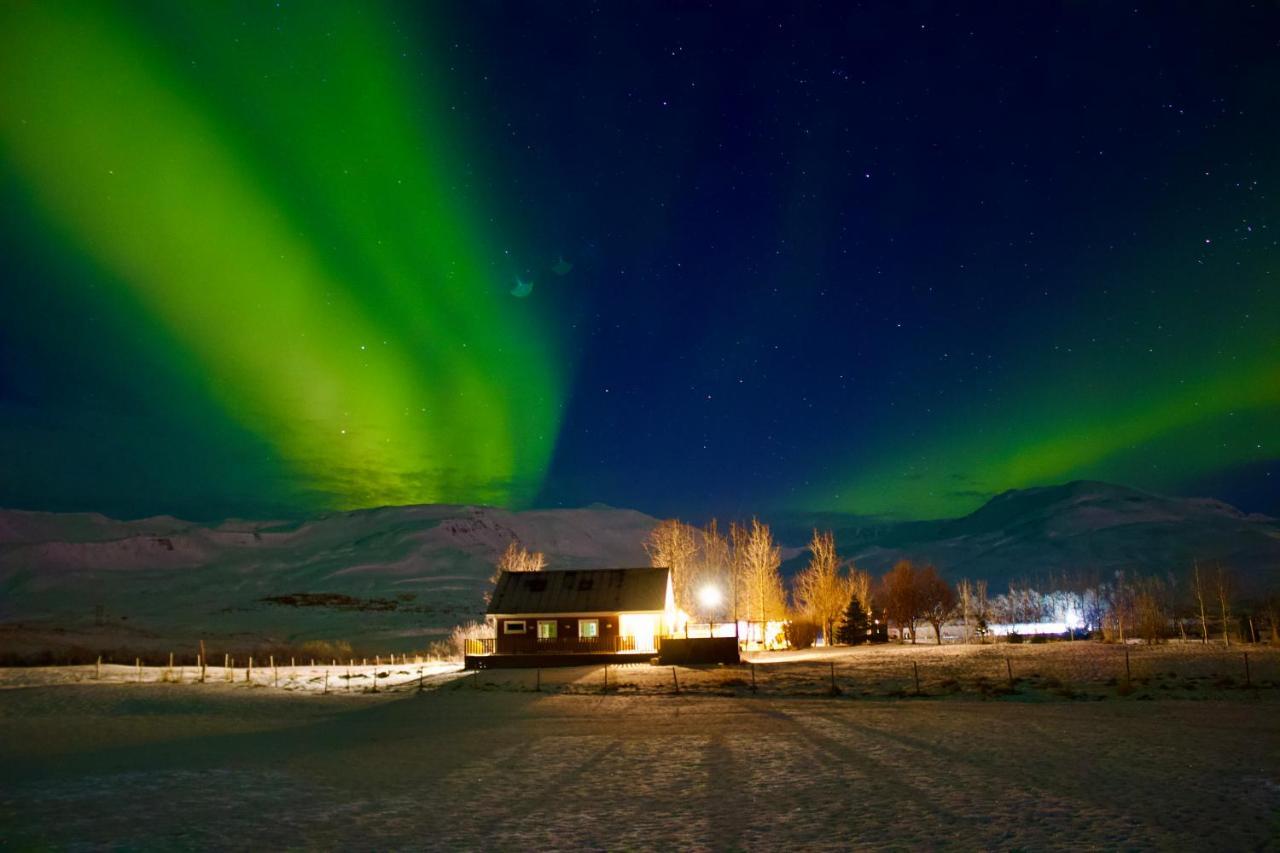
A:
[1082, 526]
[392, 578]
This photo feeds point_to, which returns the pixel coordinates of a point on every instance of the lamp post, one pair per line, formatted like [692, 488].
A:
[709, 599]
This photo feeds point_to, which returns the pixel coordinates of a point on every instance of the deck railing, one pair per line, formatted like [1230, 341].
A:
[556, 645]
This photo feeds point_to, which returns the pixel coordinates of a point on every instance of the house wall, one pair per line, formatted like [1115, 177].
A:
[566, 634]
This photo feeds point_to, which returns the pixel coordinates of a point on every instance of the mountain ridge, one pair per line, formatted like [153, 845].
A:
[85, 579]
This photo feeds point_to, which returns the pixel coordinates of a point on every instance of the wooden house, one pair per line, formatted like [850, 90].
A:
[583, 612]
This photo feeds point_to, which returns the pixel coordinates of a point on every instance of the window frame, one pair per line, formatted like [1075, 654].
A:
[508, 627]
[584, 622]
[555, 628]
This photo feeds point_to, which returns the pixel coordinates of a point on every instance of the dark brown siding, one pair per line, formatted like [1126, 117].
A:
[566, 640]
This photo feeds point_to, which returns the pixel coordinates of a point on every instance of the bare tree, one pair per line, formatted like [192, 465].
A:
[937, 600]
[515, 558]
[673, 545]
[902, 597]
[715, 567]
[1272, 608]
[761, 559]
[1149, 609]
[860, 588]
[964, 590]
[1197, 589]
[1121, 600]
[1224, 604]
[738, 536]
[821, 593]
[981, 608]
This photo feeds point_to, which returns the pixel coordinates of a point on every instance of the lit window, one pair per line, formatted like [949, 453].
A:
[588, 629]
[546, 629]
[515, 626]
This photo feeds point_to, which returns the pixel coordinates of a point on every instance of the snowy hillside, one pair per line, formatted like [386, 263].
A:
[1080, 526]
[394, 579]
[390, 579]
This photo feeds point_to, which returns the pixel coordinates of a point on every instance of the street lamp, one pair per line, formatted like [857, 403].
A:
[710, 597]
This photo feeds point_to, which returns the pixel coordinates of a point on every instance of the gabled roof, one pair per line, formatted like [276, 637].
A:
[582, 591]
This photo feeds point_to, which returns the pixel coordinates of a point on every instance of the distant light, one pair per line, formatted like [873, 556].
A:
[709, 597]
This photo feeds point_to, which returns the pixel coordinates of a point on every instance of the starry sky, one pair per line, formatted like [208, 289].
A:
[692, 258]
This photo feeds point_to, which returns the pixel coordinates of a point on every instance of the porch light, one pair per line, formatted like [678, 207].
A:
[710, 597]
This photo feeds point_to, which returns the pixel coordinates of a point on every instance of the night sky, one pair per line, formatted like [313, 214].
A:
[883, 259]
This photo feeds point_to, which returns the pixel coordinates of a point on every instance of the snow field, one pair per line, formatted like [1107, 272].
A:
[147, 766]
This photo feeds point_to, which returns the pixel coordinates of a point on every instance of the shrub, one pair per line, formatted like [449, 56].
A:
[454, 646]
[326, 650]
[800, 634]
[1013, 637]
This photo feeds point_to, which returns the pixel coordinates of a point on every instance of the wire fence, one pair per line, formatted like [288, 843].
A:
[1080, 670]
[1067, 670]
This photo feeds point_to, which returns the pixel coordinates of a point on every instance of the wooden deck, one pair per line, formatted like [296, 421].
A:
[546, 661]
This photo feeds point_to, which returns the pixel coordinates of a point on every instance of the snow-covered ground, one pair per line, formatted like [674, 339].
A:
[484, 761]
[151, 766]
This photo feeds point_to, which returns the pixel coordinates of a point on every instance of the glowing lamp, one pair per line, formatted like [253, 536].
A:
[709, 597]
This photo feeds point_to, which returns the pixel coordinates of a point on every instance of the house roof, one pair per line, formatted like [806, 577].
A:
[581, 591]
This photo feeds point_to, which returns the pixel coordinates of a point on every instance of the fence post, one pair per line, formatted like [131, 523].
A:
[97, 670]
[1247, 682]
[326, 682]
[606, 678]
[1127, 675]
[169, 672]
[275, 673]
[138, 663]
[915, 668]
[248, 672]
[420, 688]
[537, 682]
[753, 676]
[834, 689]
[676, 679]
[1009, 668]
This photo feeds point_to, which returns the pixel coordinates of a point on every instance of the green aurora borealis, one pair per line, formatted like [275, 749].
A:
[309, 251]
[869, 261]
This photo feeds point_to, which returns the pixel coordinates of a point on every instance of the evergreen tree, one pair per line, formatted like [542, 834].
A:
[853, 630]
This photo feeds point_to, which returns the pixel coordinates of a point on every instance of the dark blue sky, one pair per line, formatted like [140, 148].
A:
[886, 259]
